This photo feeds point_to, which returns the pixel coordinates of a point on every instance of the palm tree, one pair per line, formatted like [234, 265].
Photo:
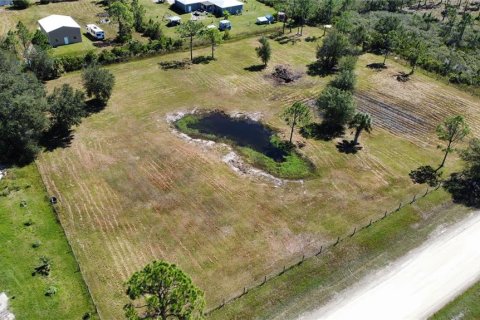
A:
[361, 121]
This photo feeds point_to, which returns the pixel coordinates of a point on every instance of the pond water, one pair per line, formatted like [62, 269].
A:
[243, 132]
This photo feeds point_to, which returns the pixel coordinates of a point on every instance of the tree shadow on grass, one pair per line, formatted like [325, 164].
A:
[57, 138]
[317, 69]
[321, 131]
[94, 106]
[376, 66]
[255, 68]
[175, 64]
[202, 60]
[348, 147]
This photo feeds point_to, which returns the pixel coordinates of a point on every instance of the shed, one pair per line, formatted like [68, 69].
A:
[6, 3]
[60, 30]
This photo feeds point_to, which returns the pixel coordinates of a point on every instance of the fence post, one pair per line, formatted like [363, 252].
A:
[265, 279]
[385, 214]
[338, 240]
[399, 206]
[414, 198]
[370, 223]
[244, 290]
[303, 258]
[354, 230]
[426, 192]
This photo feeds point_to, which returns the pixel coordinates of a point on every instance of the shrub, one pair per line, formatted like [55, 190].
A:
[51, 291]
[21, 4]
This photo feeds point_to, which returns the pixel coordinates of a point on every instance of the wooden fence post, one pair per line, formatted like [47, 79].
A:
[354, 230]
[426, 192]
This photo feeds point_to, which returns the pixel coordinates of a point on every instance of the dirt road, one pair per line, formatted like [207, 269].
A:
[416, 285]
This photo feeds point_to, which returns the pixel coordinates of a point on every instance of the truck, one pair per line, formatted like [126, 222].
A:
[95, 31]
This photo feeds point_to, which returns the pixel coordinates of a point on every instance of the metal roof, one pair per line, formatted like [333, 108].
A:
[56, 21]
[218, 3]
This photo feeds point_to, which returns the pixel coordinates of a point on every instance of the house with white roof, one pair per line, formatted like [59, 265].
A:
[60, 30]
[216, 7]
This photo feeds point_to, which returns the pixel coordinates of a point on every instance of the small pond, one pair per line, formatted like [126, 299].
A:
[242, 131]
[257, 143]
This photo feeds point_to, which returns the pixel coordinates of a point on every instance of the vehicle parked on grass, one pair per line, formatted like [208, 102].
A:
[95, 31]
[225, 25]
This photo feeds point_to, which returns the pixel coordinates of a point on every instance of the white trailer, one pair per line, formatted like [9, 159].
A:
[95, 31]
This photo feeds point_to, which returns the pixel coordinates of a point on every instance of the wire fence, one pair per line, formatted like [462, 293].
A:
[319, 251]
[70, 249]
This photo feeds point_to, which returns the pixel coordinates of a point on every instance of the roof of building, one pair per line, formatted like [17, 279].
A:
[56, 21]
[94, 27]
[218, 3]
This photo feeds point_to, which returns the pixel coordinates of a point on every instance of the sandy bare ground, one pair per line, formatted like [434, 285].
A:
[418, 284]
[4, 313]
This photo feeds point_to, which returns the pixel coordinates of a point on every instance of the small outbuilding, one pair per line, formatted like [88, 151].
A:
[60, 30]
[6, 3]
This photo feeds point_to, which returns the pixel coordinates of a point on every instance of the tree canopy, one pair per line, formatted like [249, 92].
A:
[264, 51]
[66, 106]
[122, 14]
[166, 293]
[98, 83]
[335, 46]
[452, 130]
[337, 106]
[297, 114]
[23, 109]
[190, 29]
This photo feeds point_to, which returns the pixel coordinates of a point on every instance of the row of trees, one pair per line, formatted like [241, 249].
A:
[28, 115]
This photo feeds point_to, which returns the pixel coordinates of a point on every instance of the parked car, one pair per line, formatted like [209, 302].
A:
[225, 25]
[174, 21]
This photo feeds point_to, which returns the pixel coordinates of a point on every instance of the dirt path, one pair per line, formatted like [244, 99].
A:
[417, 285]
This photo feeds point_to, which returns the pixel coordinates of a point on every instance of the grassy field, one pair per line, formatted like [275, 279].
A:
[465, 307]
[317, 280]
[130, 191]
[19, 257]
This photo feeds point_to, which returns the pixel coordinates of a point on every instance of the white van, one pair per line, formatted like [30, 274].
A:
[95, 31]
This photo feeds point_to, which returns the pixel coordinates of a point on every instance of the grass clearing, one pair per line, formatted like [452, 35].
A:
[23, 245]
[319, 279]
[465, 307]
[130, 191]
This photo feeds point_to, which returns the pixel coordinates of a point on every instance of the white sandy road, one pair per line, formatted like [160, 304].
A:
[418, 284]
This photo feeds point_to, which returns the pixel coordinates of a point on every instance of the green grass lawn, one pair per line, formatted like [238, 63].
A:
[80, 48]
[465, 307]
[131, 191]
[19, 257]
